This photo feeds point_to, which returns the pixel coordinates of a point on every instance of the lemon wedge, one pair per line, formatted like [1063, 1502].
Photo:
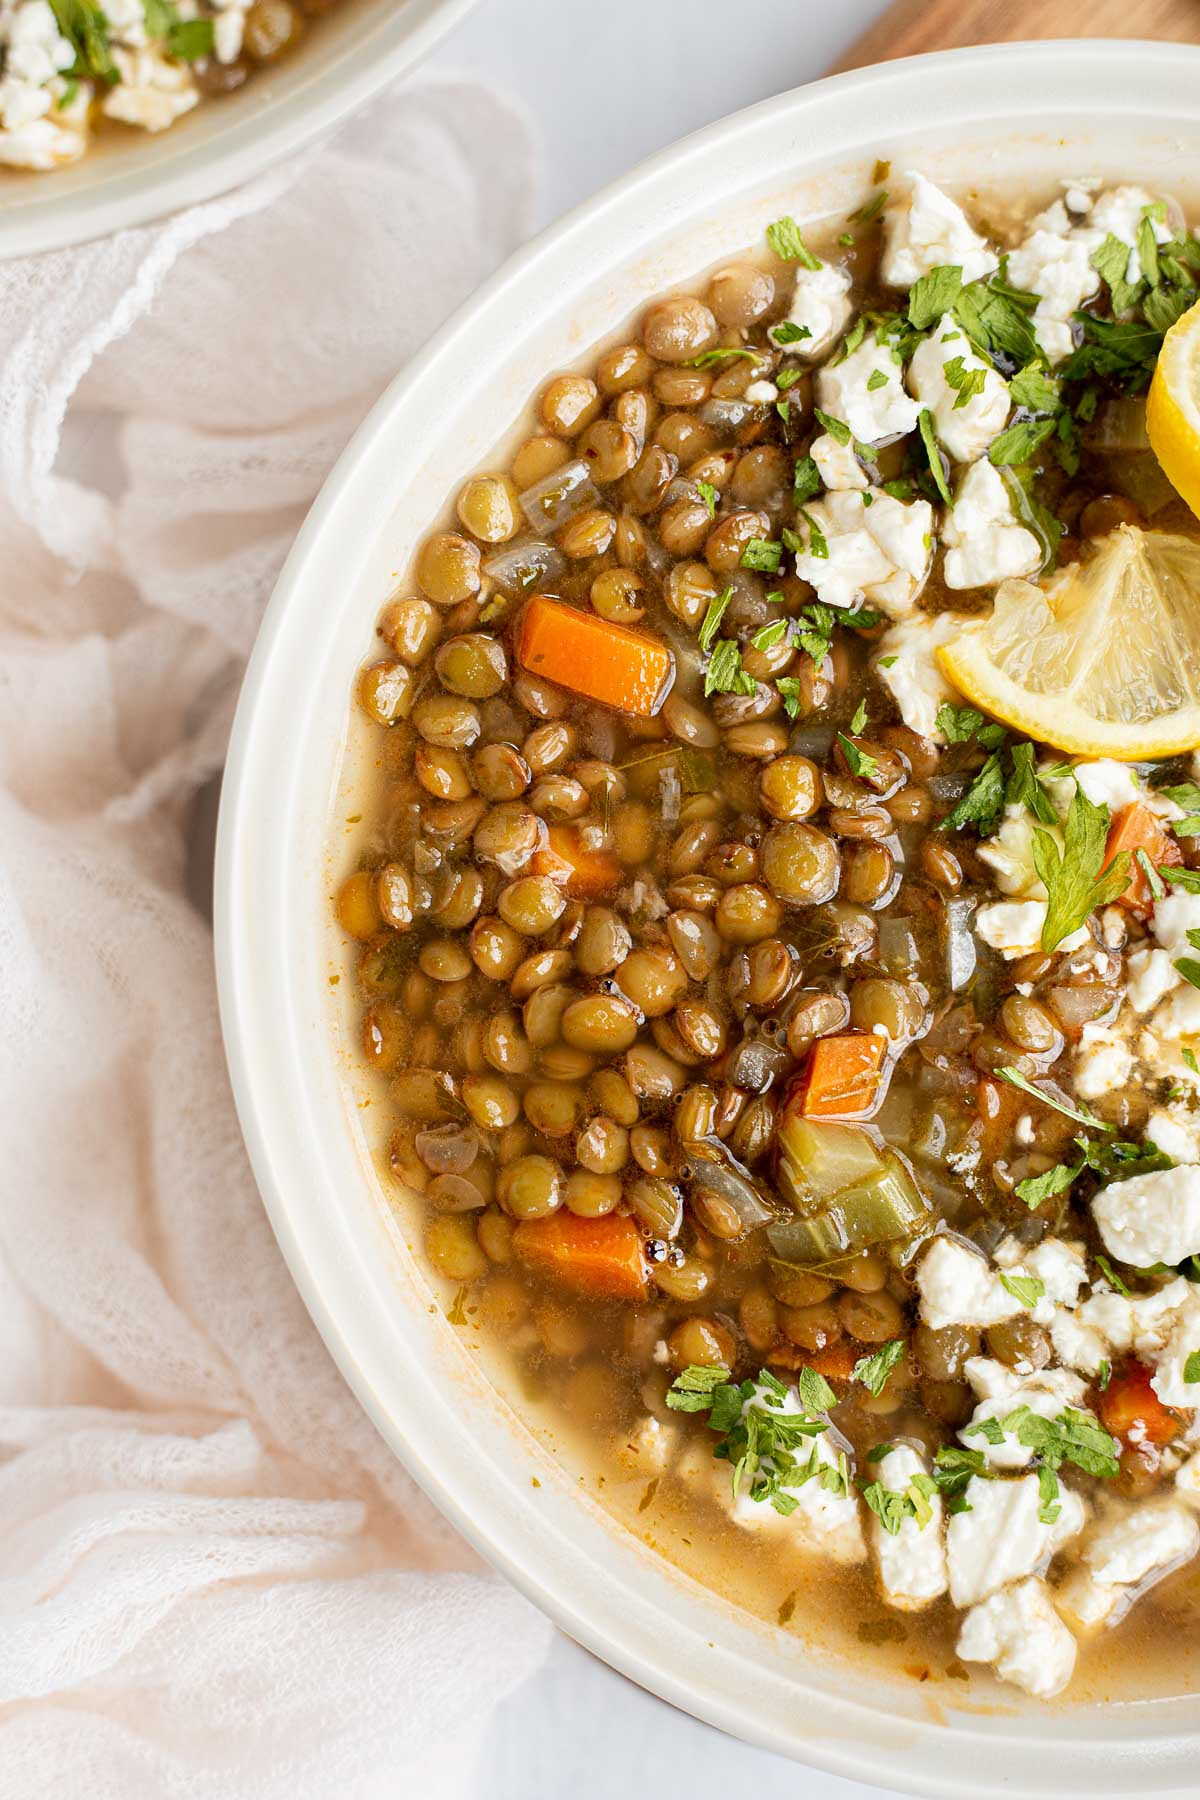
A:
[1173, 407]
[1103, 661]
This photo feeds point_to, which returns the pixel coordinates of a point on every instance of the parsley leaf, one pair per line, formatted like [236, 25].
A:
[85, 28]
[936, 466]
[1049, 1506]
[859, 762]
[1073, 1437]
[1018, 443]
[966, 382]
[806, 482]
[1028, 1289]
[712, 359]
[767, 636]
[713, 617]
[934, 294]
[1027, 788]
[996, 319]
[786, 241]
[1187, 880]
[1036, 391]
[764, 554]
[1073, 879]
[1110, 1275]
[1110, 261]
[818, 543]
[788, 332]
[693, 1391]
[874, 1371]
[758, 1436]
[1081, 1114]
[859, 720]
[1036, 1188]
[1191, 1368]
[725, 674]
[815, 1391]
[189, 40]
[789, 693]
[983, 802]
[953, 1470]
[838, 430]
[708, 494]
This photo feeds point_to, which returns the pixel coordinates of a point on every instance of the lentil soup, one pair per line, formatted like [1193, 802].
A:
[792, 1068]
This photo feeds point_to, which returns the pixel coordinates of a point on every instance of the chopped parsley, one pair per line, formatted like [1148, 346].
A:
[983, 803]
[767, 636]
[1191, 1368]
[789, 693]
[875, 380]
[1153, 882]
[708, 494]
[1037, 1188]
[958, 724]
[859, 762]
[838, 429]
[757, 1436]
[1188, 880]
[818, 543]
[934, 294]
[788, 332]
[1073, 879]
[936, 466]
[1110, 1275]
[764, 554]
[1081, 1114]
[1028, 1289]
[953, 1470]
[806, 482]
[874, 1371]
[996, 318]
[967, 383]
[1018, 443]
[815, 1392]
[712, 359]
[713, 617]
[725, 674]
[892, 1509]
[858, 722]
[786, 241]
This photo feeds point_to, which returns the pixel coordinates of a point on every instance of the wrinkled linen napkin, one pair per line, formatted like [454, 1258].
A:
[215, 1580]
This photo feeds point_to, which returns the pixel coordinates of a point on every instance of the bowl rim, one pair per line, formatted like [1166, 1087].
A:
[1128, 65]
[134, 196]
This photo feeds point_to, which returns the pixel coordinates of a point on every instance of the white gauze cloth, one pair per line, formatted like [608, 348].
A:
[215, 1580]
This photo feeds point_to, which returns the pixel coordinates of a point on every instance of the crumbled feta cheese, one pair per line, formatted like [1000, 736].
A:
[1174, 916]
[1021, 1635]
[1120, 212]
[153, 91]
[1060, 1267]
[1103, 1061]
[1056, 265]
[1109, 1325]
[1187, 1481]
[1002, 1538]
[964, 426]
[1014, 928]
[821, 307]
[1179, 1014]
[646, 1449]
[837, 464]
[873, 413]
[229, 30]
[1108, 783]
[832, 1522]
[39, 128]
[762, 393]
[1176, 1132]
[877, 553]
[927, 230]
[907, 667]
[1121, 1557]
[1169, 1380]
[1009, 853]
[912, 1564]
[127, 20]
[1149, 974]
[1151, 1218]
[957, 1287]
[1045, 1392]
[985, 541]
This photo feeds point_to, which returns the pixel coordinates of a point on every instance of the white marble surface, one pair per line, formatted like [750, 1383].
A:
[609, 83]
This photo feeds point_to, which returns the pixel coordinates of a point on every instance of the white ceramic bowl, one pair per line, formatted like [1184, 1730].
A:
[1014, 118]
[131, 177]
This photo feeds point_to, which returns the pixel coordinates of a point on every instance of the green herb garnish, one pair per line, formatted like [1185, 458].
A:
[1074, 881]
[785, 239]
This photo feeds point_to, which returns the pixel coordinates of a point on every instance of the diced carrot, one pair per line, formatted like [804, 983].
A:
[567, 860]
[603, 1258]
[1130, 1409]
[1135, 827]
[844, 1078]
[585, 653]
[999, 1106]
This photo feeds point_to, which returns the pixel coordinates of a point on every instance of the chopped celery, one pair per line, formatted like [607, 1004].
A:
[818, 1160]
[882, 1208]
